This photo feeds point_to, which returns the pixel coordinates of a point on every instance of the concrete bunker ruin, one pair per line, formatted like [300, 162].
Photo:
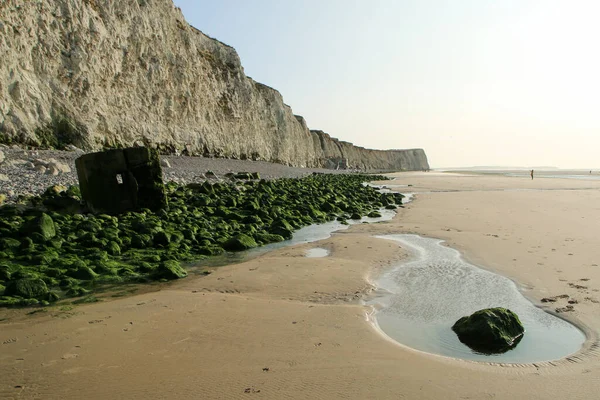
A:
[120, 180]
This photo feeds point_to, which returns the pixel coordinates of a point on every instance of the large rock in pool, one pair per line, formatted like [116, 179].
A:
[491, 330]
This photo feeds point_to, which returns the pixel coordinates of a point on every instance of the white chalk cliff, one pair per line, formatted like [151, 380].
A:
[105, 73]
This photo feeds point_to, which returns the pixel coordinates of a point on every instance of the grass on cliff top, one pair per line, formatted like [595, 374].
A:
[50, 250]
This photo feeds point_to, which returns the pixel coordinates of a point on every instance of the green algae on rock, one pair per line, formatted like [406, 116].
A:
[171, 270]
[240, 242]
[27, 288]
[490, 331]
[74, 253]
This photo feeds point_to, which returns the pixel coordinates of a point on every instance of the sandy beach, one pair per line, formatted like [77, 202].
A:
[284, 326]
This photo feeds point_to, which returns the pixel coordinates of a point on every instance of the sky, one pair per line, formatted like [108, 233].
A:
[473, 82]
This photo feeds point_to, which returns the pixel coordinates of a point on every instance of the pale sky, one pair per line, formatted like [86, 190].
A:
[473, 82]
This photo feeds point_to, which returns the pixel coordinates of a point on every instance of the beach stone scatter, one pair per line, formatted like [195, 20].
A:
[52, 246]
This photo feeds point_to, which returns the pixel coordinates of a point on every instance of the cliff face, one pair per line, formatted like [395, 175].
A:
[98, 73]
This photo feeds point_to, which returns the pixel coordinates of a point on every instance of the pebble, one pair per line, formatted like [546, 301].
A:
[24, 173]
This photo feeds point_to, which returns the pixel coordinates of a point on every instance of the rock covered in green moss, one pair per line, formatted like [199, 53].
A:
[87, 251]
[240, 242]
[171, 270]
[40, 227]
[28, 288]
[491, 330]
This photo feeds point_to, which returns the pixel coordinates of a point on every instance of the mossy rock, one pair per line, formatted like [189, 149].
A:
[265, 238]
[282, 228]
[43, 226]
[84, 273]
[240, 242]
[374, 214]
[161, 238]
[355, 216]
[141, 241]
[210, 250]
[104, 268]
[52, 297]
[113, 248]
[77, 291]
[491, 330]
[46, 257]
[9, 243]
[170, 270]
[56, 243]
[200, 220]
[28, 288]
[5, 272]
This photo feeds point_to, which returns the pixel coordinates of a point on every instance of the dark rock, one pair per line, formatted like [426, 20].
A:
[84, 273]
[171, 270]
[162, 238]
[282, 228]
[9, 243]
[28, 288]
[120, 180]
[491, 330]
[41, 228]
[239, 243]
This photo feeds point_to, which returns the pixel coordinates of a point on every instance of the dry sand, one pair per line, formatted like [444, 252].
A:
[283, 326]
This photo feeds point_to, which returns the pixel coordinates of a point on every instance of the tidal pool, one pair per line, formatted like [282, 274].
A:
[417, 303]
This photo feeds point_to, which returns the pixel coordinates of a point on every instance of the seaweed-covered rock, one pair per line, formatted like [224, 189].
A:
[113, 248]
[43, 226]
[491, 330]
[4, 272]
[170, 270]
[282, 228]
[84, 273]
[86, 251]
[265, 238]
[162, 238]
[28, 288]
[374, 214]
[9, 243]
[239, 242]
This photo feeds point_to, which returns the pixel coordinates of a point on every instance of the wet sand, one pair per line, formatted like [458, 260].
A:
[287, 326]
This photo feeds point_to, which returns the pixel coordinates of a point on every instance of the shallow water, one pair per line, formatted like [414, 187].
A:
[418, 302]
[316, 252]
[308, 234]
[581, 176]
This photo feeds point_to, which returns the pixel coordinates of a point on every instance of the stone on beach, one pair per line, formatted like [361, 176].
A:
[240, 242]
[28, 288]
[491, 330]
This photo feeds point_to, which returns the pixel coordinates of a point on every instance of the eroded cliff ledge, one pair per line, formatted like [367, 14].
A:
[102, 73]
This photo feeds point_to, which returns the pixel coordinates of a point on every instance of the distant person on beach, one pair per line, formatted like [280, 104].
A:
[531, 174]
